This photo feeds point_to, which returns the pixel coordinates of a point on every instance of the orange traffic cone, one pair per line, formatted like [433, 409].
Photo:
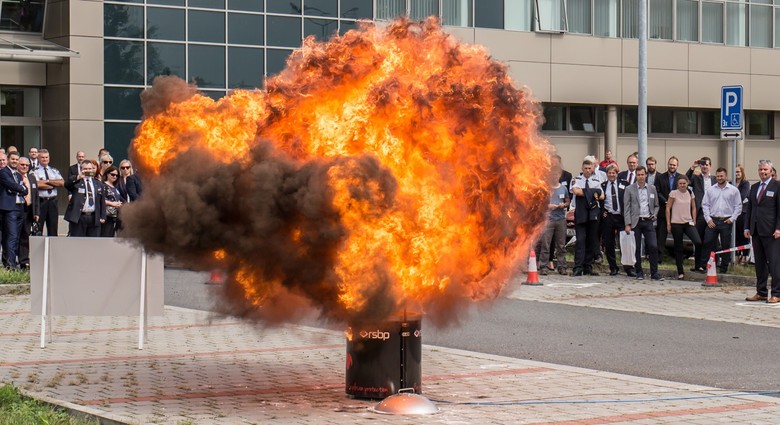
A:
[217, 277]
[533, 275]
[712, 275]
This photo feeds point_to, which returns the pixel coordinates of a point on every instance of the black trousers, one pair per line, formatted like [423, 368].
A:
[586, 246]
[49, 216]
[661, 232]
[678, 230]
[647, 229]
[610, 225]
[722, 230]
[85, 227]
[765, 252]
[24, 237]
[700, 258]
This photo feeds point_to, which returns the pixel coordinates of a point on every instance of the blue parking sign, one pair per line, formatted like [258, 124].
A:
[731, 108]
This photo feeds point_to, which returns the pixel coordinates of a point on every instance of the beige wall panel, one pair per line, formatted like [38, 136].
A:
[586, 50]
[88, 18]
[756, 150]
[667, 55]
[82, 69]
[585, 84]
[719, 59]
[629, 52]
[85, 136]
[86, 102]
[667, 88]
[515, 45]
[22, 74]
[705, 88]
[461, 33]
[765, 61]
[629, 87]
[764, 92]
[534, 75]
[573, 149]
[58, 73]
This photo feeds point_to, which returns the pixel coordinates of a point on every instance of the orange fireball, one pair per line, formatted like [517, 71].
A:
[390, 167]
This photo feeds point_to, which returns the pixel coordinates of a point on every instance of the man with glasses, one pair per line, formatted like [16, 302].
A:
[762, 225]
[32, 210]
[49, 179]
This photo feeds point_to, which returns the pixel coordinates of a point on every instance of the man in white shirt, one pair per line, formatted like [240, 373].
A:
[721, 206]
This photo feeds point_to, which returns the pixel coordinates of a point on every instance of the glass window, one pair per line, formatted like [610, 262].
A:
[489, 14]
[207, 4]
[760, 25]
[687, 122]
[357, 9]
[206, 26]
[630, 18]
[759, 123]
[518, 15]
[245, 68]
[245, 29]
[687, 20]
[123, 21]
[23, 137]
[25, 16]
[660, 26]
[322, 29]
[282, 31]
[117, 136]
[214, 94]
[456, 12]
[122, 103]
[630, 120]
[20, 102]
[164, 59]
[581, 119]
[207, 66]
[345, 26]
[661, 120]
[321, 8]
[712, 22]
[123, 62]
[165, 2]
[551, 15]
[275, 60]
[736, 24]
[579, 16]
[290, 7]
[389, 9]
[777, 26]
[421, 9]
[164, 24]
[710, 123]
[605, 17]
[248, 5]
[554, 118]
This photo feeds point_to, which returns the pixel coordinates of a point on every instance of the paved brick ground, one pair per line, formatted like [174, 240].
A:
[207, 369]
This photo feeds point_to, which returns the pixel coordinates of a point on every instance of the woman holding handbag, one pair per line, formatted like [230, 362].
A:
[113, 202]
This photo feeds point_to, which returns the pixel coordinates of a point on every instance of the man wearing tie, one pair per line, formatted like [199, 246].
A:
[87, 208]
[612, 217]
[762, 224]
[587, 194]
[12, 192]
[49, 179]
[629, 175]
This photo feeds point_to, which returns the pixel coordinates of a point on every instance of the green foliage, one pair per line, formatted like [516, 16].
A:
[16, 409]
[13, 276]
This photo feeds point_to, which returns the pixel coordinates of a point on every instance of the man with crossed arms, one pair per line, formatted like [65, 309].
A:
[762, 225]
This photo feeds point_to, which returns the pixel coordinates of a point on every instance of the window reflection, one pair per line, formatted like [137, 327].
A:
[207, 66]
[23, 15]
[165, 59]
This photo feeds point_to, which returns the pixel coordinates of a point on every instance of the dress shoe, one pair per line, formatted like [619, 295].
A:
[756, 297]
[657, 276]
[773, 300]
[562, 270]
[613, 273]
[723, 270]
[640, 276]
[579, 273]
[630, 273]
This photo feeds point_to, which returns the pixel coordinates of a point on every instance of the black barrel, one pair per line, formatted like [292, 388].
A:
[384, 358]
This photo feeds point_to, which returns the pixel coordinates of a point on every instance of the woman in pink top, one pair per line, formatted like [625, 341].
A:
[680, 216]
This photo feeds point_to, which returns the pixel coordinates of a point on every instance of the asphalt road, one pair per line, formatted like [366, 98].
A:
[717, 354]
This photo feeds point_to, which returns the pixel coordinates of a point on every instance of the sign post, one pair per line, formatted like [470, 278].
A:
[732, 126]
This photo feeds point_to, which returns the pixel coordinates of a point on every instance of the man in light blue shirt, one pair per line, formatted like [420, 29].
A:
[721, 206]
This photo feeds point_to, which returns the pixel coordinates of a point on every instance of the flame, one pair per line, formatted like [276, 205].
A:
[433, 166]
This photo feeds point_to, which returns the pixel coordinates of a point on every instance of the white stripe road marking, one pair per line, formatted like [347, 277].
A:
[757, 304]
[572, 285]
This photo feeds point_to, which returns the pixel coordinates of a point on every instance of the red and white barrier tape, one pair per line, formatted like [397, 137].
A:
[736, 248]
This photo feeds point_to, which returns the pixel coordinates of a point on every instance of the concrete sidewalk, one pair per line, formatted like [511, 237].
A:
[206, 369]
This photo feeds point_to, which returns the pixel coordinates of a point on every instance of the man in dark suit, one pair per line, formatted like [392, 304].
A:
[87, 207]
[640, 210]
[75, 169]
[12, 192]
[664, 184]
[587, 194]
[699, 184]
[762, 223]
[32, 210]
[612, 217]
[629, 174]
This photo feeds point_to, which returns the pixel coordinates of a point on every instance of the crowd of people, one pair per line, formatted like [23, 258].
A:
[31, 188]
[642, 206]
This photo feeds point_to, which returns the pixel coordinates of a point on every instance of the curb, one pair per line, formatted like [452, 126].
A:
[75, 410]
[15, 289]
